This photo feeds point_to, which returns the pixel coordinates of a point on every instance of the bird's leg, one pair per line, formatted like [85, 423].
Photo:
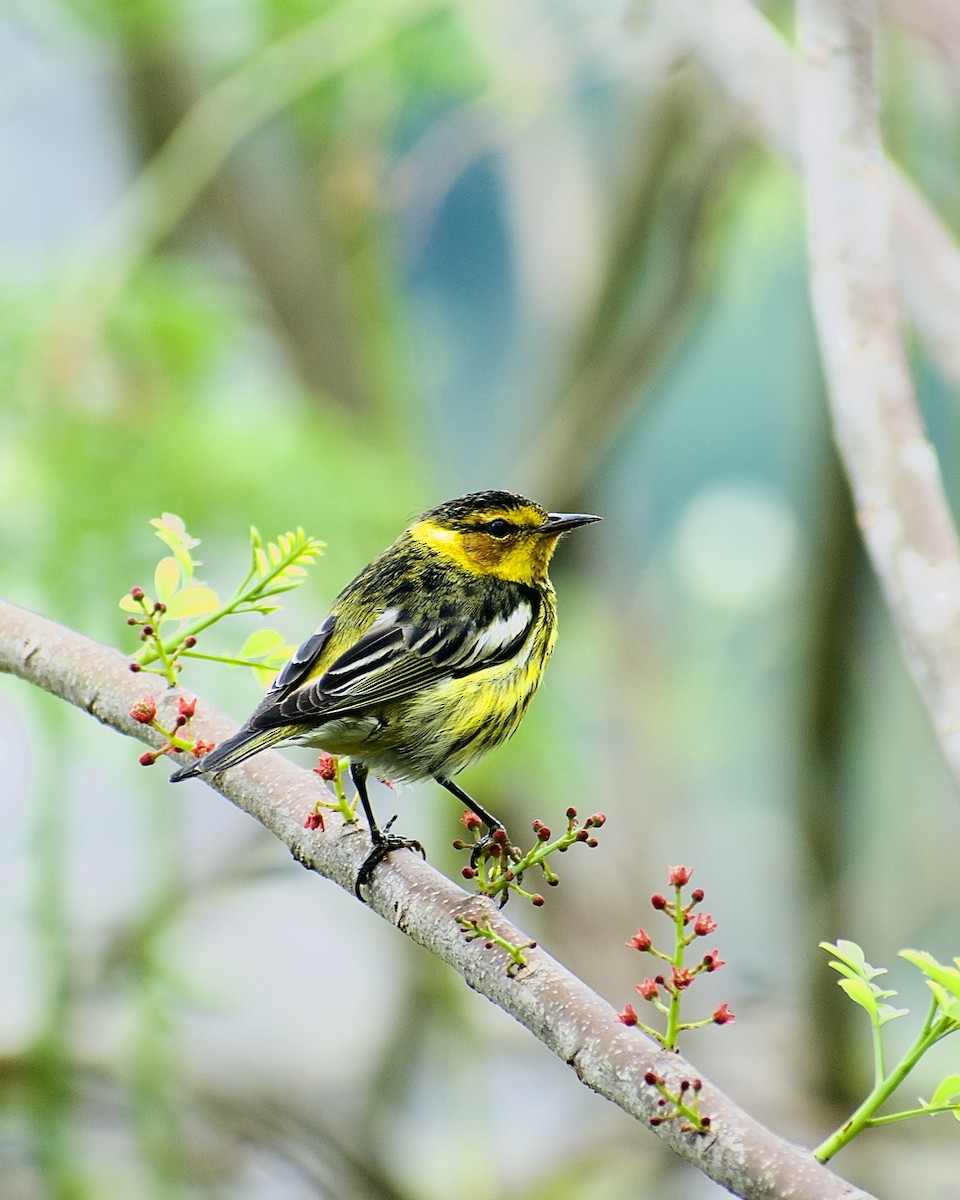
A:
[488, 819]
[384, 842]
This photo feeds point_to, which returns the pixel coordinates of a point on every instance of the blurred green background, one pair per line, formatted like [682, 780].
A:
[287, 262]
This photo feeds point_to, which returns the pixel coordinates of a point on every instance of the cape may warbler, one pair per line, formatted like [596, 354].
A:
[427, 660]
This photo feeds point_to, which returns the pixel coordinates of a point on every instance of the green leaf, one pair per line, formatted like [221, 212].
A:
[947, 977]
[886, 1012]
[861, 993]
[852, 957]
[948, 1092]
[261, 643]
[166, 578]
[948, 1005]
[171, 530]
[193, 601]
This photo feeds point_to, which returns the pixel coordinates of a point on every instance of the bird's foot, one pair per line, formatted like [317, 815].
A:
[384, 843]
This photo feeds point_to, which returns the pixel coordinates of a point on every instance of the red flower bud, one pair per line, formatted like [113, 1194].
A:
[648, 989]
[537, 900]
[628, 1016]
[651, 1079]
[469, 873]
[596, 820]
[499, 836]
[658, 901]
[680, 876]
[680, 979]
[135, 667]
[326, 766]
[697, 895]
[723, 1015]
[189, 642]
[137, 593]
[704, 924]
[571, 814]
[144, 711]
[641, 940]
[543, 833]
[470, 820]
[148, 759]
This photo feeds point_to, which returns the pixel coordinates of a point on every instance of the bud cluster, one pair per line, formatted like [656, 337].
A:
[474, 929]
[498, 867]
[149, 620]
[684, 1103]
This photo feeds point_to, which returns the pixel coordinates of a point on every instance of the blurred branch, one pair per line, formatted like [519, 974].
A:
[259, 200]
[217, 124]
[824, 820]
[559, 1009]
[759, 73]
[652, 281]
[901, 506]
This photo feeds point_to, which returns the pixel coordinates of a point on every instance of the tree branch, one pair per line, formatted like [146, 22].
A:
[559, 1009]
[760, 75]
[901, 505]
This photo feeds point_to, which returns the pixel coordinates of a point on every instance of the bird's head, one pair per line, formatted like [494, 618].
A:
[496, 533]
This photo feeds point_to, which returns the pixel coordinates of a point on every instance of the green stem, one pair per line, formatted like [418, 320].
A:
[865, 1115]
[932, 1111]
[879, 1067]
[673, 1017]
[228, 660]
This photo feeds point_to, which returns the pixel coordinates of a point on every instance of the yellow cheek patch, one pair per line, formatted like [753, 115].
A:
[447, 541]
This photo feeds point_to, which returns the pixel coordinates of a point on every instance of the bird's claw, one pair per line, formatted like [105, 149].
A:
[384, 843]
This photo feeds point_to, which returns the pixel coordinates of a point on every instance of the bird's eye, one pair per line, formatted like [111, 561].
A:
[499, 528]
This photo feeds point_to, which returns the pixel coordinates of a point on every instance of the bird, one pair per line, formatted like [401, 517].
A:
[428, 659]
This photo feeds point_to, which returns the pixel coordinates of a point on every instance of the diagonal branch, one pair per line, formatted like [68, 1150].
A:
[559, 1009]
[894, 474]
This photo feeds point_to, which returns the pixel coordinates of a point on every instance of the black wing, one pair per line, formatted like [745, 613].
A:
[394, 658]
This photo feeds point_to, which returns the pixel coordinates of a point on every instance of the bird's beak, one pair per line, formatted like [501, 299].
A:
[561, 522]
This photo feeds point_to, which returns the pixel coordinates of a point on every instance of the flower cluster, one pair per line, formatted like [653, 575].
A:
[330, 769]
[144, 712]
[664, 989]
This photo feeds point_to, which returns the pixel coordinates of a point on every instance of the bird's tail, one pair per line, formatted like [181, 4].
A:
[234, 750]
